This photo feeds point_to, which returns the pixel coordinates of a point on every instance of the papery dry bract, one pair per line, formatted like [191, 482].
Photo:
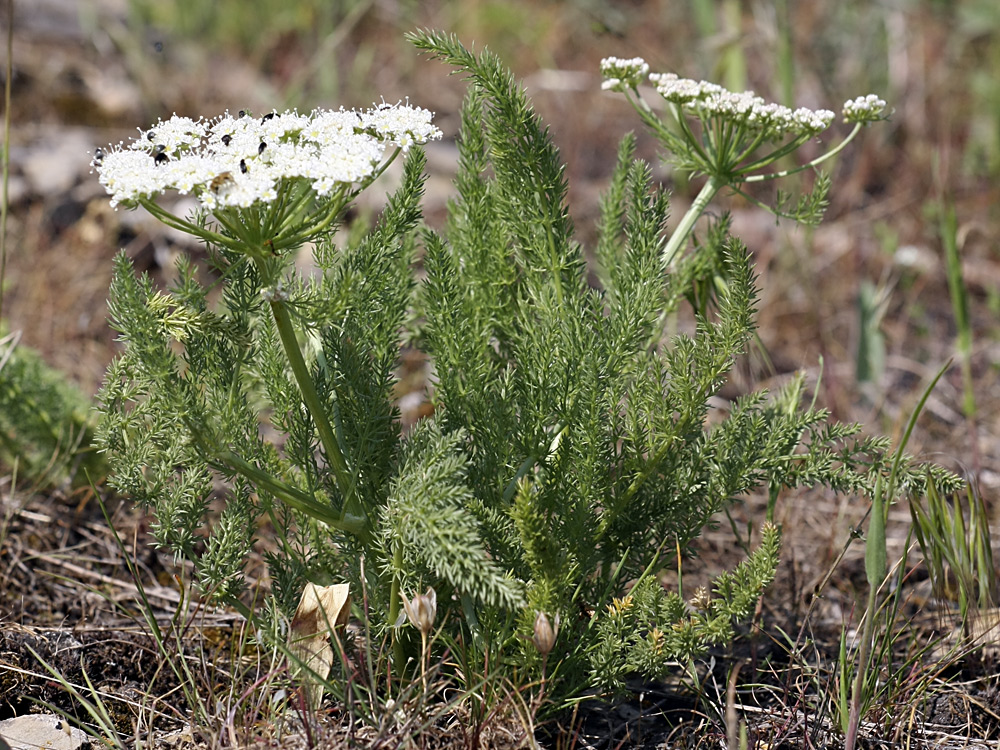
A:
[322, 610]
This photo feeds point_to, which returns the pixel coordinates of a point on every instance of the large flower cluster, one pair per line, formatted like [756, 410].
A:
[243, 160]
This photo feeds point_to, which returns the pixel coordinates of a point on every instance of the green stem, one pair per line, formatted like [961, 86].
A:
[875, 572]
[857, 689]
[292, 496]
[621, 503]
[399, 656]
[342, 475]
[175, 222]
[785, 173]
[680, 236]
[315, 227]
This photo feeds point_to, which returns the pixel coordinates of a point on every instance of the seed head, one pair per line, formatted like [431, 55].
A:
[618, 606]
[701, 600]
[656, 640]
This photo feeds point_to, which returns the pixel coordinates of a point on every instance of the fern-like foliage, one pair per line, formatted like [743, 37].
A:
[648, 628]
[590, 445]
[46, 426]
[182, 406]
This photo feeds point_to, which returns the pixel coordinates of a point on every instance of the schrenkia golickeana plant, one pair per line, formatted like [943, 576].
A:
[569, 445]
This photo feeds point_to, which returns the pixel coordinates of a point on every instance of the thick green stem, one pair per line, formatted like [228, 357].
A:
[680, 235]
[341, 473]
[679, 239]
[292, 496]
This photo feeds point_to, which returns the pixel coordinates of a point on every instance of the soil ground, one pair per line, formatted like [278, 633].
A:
[88, 74]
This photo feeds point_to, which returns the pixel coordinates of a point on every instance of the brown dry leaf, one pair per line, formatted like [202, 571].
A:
[320, 609]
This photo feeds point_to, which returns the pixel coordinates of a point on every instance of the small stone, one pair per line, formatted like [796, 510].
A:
[48, 731]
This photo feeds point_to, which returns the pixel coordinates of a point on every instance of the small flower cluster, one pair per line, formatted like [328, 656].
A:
[620, 75]
[709, 100]
[239, 161]
[864, 109]
[401, 126]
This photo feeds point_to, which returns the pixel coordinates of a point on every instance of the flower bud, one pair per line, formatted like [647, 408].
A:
[545, 635]
[701, 600]
[420, 611]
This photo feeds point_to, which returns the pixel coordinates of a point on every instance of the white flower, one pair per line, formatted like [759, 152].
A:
[401, 125]
[236, 162]
[620, 74]
[175, 134]
[683, 90]
[864, 109]
[709, 100]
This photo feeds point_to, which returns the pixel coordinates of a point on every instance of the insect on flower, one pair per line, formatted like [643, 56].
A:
[221, 181]
[98, 156]
[320, 152]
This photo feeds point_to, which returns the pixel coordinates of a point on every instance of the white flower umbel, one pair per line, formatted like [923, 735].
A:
[271, 182]
[730, 137]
